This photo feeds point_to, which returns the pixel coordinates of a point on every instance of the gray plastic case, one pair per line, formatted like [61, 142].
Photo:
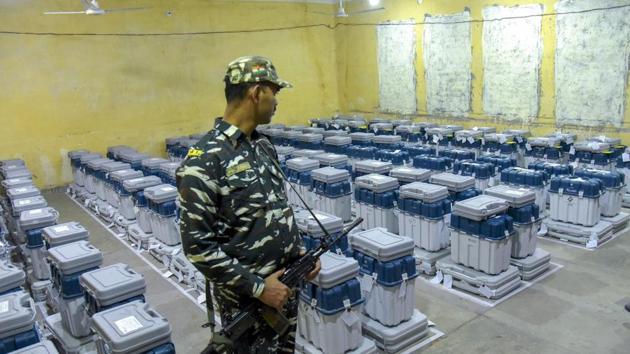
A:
[89, 157]
[534, 265]
[373, 166]
[454, 183]
[161, 193]
[153, 162]
[17, 313]
[170, 168]
[136, 184]
[486, 130]
[16, 183]
[65, 233]
[37, 218]
[331, 133]
[329, 159]
[364, 137]
[468, 133]
[516, 197]
[310, 138]
[284, 150]
[387, 139]
[396, 338]
[601, 231]
[381, 126]
[406, 128]
[75, 257]
[16, 172]
[133, 156]
[592, 146]
[302, 164]
[313, 130]
[96, 164]
[440, 131]
[134, 327]
[12, 162]
[41, 347]
[114, 166]
[499, 137]
[114, 283]
[10, 276]
[452, 127]
[480, 207]
[518, 132]
[428, 193]
[474, 281]
[544, 141]
[20, 205]
[376, 183]
[381, 244]
[308, 225]
[336, 269]
[123, 175]
[410, 174]
[23, 192]
[307, 153]
[330, 174]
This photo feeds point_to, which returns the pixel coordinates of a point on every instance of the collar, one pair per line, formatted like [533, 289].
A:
[232, 131]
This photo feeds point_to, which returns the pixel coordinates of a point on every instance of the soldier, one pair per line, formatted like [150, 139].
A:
[236, 226]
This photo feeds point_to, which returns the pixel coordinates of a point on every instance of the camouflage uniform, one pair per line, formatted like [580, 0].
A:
[236, 225]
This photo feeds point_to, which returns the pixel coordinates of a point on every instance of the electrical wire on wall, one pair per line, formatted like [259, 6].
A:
[317, 25]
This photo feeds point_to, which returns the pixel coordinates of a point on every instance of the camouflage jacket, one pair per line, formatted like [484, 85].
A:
[236, 225]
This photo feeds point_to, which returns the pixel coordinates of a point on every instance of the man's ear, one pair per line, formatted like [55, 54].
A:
[255, 91]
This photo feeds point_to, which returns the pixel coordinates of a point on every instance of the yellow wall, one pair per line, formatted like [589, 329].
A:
[61, 93]
[358, 73]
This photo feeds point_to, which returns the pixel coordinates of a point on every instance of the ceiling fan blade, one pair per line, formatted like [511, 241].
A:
[64, 12]
[127, 9]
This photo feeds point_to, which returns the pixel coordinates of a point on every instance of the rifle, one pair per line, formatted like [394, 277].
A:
[243, 320]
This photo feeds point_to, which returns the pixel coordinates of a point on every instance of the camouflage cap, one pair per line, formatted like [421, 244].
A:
[252, 69]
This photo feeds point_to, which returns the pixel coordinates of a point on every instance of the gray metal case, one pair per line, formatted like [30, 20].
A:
[330, 159]
[364, 137]
[516, 197]
[427, 192]
[454, 183]
[376, 182]
[89, 157]
[387, 139]
[153, 162]
[134, 327]
[381, 244]
[114, 166]
[307, 153]
[114, 283]
[480, 207]
[335, 269]
[75, 257]
[16, 182]
[65, 233]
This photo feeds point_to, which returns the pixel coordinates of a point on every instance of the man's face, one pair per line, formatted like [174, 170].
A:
[267, 103]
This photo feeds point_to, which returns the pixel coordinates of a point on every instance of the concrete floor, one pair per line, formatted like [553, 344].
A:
[578, 309]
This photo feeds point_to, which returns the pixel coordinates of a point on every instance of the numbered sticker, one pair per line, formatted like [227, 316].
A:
[128, 324]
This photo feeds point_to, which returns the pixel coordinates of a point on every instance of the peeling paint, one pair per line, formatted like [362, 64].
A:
[592, 62]
[512, 51]
[447, 59]
[396, 67]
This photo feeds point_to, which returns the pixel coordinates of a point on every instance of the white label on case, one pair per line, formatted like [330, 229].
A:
[201, 298]
[24, 202]
[448, 281]
[572, 151]
[366, 283]
[4, 306]
[543, 230]
[128, 324]
[63, 228]
[485, 291]
[625, 157]
[437, 279]
[35, 212]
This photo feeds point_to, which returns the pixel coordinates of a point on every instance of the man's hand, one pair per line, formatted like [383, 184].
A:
[275, 294]
[318, 266]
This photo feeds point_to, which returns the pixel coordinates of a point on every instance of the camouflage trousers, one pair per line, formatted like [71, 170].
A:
[261, 339]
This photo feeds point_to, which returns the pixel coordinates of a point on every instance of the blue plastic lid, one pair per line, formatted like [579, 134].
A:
[609, 179]
[588, 188]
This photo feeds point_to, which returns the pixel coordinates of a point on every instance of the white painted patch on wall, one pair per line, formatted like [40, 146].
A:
[447, 53]
[512, 52]
[396, 69]
[592, 56]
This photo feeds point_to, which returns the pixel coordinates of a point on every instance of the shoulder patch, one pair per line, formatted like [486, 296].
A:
[192, 152]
